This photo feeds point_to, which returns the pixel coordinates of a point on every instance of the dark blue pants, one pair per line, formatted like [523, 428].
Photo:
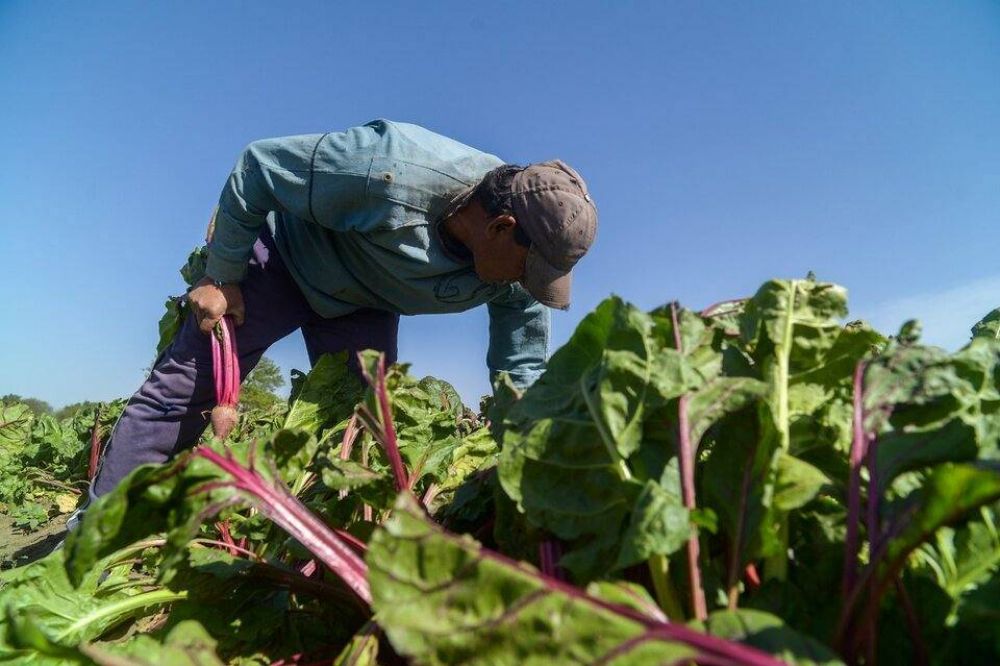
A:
[171, 409]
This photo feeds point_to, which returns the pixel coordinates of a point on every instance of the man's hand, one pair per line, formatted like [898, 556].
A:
[209, 303]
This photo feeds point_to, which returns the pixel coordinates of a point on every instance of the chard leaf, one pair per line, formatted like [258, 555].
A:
[586, 444]
[948, 494]
[988, 327]
[150, 500]
[15, 426]
[362, 650]
[292, 452]
[325, 397]
[967, 556]
[807, 358]
[176, 311]
[443, 599]
[187, 644]
[659, 524]
[45, 614]
[928, 407]
[767, 632]
[797, 483]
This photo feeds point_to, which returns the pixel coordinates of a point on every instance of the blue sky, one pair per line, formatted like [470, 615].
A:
[724, 143]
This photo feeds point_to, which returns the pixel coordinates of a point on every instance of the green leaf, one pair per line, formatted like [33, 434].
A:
[176, 311]
[927, 406]
[363, 648]
[44, 613]
[326, 397]
[769, 633]
[949, 493]
[797, 483]
[292, 452]
[988, 326]
[187, 644]
[443, 599]
[659, 526]
[15, 426]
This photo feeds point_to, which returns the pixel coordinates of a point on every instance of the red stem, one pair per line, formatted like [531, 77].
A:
[220, 389]
[859, 447]
[549, 554]
[920, 654]
[685, 454]
[387, 436]
[95, 446]
[710, 310]
[874, 541]
[291, 515]
[234, 362]
[350, 434]
[734, 555]
[359, 546]
[223, 527]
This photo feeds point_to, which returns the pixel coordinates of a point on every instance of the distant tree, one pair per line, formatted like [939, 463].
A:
[258, 391]
[37, 407]
[69, 411]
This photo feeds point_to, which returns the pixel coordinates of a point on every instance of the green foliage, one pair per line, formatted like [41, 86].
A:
[580, 475]
[42, 457]
[34, 405]
[472, 608]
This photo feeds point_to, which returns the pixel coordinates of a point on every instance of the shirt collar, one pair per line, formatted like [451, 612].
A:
[452, 246]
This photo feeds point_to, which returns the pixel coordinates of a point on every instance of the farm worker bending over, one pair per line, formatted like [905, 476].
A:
[338, 235]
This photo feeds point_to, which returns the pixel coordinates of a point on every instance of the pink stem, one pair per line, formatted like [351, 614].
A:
[550, 552]
[710, 310]
[217, 368]
[359, 546]
[388, 429]
[223, 527]
[874, 540]
[227, 362]
[685, 454]
[350, 434]
[859, 447]
[713, 650]
[95, 446]
[291, 515]
[234, 362]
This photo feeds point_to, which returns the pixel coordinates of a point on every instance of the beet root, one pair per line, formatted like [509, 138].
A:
[223, 420]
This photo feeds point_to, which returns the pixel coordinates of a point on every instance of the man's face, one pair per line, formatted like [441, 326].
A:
[497, 255]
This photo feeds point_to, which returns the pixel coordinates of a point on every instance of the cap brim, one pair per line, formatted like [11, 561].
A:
[458, 201]
[549, 285]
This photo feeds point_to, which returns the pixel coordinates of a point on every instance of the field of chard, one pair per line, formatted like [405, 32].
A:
[755, 483]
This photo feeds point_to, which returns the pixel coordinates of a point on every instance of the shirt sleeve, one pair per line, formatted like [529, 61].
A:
[519, 337]
[316, 177]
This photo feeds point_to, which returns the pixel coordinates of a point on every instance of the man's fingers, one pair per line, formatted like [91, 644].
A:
[208, 323]
[238, 315]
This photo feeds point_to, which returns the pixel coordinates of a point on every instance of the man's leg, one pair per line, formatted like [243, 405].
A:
[362, 329]
[171, 409]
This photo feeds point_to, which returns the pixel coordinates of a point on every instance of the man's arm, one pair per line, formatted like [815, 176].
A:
[519, 337]
[315, 177]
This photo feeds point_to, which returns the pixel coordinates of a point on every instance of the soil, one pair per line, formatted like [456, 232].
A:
[19, 547]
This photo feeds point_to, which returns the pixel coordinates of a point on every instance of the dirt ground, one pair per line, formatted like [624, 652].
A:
[19, 547]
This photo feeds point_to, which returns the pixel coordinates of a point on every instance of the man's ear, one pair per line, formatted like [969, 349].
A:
[500, 224]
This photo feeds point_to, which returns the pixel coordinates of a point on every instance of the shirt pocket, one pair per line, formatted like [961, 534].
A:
[415, 187]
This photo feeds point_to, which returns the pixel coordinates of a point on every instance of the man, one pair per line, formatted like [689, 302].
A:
[338, 234]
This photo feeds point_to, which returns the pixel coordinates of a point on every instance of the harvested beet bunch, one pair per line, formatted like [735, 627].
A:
[226, 372]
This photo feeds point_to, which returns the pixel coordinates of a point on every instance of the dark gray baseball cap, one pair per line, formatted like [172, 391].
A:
[553, 207]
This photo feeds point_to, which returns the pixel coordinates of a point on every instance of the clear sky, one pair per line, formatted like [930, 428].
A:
[724, 143]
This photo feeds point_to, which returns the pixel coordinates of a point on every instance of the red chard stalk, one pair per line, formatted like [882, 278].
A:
[226, 372]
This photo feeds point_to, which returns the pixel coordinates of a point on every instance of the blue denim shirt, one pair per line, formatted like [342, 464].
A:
[355, 217]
